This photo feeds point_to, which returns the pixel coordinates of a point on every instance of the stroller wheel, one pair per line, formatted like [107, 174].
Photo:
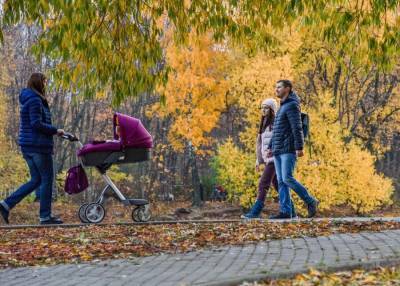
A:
[81, 213]
[95, 213]
[141, 214]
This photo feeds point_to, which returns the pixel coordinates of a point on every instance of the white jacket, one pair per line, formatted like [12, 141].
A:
[262, 146]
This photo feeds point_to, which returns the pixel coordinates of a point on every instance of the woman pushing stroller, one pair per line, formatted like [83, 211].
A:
[269, 108]
[36, 141]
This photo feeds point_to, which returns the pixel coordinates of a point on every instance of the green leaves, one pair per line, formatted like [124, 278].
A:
[109, 38]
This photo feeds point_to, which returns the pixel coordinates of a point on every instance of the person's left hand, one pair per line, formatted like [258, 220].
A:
[299, 153]
[60, 132]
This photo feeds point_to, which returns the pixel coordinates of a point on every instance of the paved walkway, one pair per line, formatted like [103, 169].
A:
[224, 266]
[338, 219]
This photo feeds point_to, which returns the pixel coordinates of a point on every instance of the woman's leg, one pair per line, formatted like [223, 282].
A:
[266, 179]
[263, 186]
[275, 182]
[44, 162]
[27, 188]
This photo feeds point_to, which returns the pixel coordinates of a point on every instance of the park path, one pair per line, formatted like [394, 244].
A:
[228, 265]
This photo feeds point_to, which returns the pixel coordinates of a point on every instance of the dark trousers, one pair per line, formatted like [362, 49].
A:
[41, 171]
[268, 177]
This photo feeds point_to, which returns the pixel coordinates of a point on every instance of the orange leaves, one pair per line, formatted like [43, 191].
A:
[194, 92]
[358, 277]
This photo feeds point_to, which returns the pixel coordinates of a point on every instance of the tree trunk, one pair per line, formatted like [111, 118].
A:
[196, 184]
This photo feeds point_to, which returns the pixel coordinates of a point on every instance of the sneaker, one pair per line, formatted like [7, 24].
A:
[52, 220]
[312, 208]
[280, 216]
[4, 214]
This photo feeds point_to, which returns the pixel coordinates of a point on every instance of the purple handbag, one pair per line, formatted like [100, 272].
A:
[76, 180]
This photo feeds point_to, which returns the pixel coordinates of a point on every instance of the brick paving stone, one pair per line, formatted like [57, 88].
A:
[223, 266]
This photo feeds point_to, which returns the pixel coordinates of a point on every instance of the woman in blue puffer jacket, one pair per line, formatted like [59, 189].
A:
[36, 141]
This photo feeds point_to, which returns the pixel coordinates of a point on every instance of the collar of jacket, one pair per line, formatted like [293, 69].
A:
[291, 97]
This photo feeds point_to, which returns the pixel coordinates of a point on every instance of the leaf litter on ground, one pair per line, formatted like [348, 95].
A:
[387, 276]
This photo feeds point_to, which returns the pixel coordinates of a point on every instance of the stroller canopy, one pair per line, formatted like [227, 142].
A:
[131, 132]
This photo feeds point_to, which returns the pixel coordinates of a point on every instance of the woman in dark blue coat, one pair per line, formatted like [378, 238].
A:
[36, 141]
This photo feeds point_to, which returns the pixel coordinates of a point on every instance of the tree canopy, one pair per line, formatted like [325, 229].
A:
[115, 46]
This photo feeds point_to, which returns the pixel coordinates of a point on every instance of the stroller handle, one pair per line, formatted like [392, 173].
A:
[70, 137]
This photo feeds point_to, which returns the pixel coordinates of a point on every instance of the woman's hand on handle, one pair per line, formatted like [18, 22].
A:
[60, 132]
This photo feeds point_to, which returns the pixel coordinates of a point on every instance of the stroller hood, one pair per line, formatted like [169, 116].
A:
[132, 132]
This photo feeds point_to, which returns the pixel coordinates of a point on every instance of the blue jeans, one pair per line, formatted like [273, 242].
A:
[41, 171]
[284, 167]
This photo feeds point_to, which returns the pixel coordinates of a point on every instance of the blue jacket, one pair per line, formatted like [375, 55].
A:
[35, 129]
[287, 134]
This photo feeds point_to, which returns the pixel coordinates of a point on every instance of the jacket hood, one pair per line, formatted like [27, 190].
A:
[292, 97]
[27, 94]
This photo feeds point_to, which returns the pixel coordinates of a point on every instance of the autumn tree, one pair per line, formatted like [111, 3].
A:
[365, 96]
[13, 170]
[335, 171]
[116, 45]
[339, 172]
[195, 92]
[366, 99]
[194, 96]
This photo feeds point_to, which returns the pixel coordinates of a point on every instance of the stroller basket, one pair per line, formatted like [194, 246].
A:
[131, 144]
[128, 155]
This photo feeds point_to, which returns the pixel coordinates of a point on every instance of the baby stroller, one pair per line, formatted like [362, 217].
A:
[132, 143]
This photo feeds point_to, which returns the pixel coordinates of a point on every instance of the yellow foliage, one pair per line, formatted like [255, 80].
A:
[253, 81]
[236, 172]
[195, 91]
[338, 173]
[334, 172]
[13, 170]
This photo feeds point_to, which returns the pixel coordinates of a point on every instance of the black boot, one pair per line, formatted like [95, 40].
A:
[52, 220]
[312, 208]
[4, 213]
[281, 216]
